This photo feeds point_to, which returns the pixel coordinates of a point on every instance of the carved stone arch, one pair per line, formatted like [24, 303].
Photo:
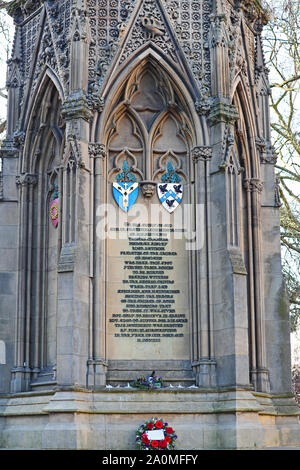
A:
[37, 117]
[48, 151]
[246, 130]
[251, 235]
[176, 77]
[124, 111]
[47, 76]
[162, 100]
[177, 143]
[39, 185]
[185, 130]
[126, 140]
[146, 51]
[168, 130]
[138, 75]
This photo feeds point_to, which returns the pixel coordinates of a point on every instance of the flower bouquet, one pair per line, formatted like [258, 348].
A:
[149, 382]
[155, 434]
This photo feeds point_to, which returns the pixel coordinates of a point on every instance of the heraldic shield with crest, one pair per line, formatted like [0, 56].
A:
[126, 188]
[170, 190]
[53, 207]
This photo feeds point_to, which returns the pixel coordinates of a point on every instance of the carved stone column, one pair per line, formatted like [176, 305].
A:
[228, 278]
[97, 362]
[74, 280]
[203, 361]
[259, 372]
[21, 373]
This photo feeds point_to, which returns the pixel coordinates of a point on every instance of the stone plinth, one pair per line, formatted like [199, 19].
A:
[108, 420]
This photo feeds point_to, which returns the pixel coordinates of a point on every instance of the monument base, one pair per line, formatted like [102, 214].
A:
[108, 419]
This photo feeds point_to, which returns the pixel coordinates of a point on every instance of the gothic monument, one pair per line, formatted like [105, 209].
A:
[139, 229]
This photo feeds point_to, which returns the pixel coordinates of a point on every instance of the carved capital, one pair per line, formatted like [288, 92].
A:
[269, 156]
[253, 185]
[222, 110]
[97, 362]
[97, 150]
[277, 199]
[202, 153]
[76, 106]
[260, 144]
[19, 139]
[26, 179]
[8, 150]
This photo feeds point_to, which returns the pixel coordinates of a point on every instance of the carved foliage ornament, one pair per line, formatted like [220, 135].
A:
[97, 150]
[149, 26]
[54, 47]
[253, 185]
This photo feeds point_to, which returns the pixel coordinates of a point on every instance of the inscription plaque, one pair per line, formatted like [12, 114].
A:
[147, 294]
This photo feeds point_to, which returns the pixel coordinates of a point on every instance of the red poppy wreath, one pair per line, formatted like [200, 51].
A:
[155, 434]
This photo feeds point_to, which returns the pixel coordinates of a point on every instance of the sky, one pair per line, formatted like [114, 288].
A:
[6, 24]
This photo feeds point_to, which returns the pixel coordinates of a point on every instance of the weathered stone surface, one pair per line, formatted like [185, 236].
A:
[108, 420]
[157, 96]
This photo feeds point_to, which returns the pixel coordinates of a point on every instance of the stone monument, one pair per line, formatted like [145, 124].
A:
[139, 229]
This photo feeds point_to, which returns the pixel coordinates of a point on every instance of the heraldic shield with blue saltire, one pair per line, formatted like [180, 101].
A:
[170, 190]
[125, 189]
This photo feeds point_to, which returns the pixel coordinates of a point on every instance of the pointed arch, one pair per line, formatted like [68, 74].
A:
[43, 120]
[43, 81]
[245, 130]
[146, 104]
[147, 100]
[114, 88]
[41, 158]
